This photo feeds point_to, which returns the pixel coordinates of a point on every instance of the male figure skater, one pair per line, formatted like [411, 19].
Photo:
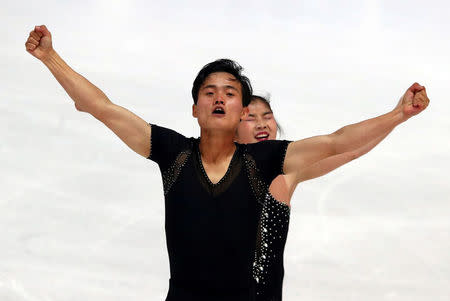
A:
[214, 188]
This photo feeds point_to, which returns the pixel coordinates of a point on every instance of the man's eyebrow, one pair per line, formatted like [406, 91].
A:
[231, 87]
[267, 113]
[209, 86]
[215, 87]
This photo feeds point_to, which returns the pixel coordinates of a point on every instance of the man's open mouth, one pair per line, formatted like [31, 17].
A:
[219, 111]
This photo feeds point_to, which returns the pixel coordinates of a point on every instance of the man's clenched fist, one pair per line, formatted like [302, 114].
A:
[414, 101]
[39, 43]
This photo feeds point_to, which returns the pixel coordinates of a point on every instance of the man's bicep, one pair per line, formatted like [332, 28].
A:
[322, 167]
[130, 128]
[303, 153]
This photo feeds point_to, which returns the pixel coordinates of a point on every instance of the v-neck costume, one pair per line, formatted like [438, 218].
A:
[211, 229]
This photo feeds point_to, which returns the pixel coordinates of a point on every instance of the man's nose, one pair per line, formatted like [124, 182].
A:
[219, 100]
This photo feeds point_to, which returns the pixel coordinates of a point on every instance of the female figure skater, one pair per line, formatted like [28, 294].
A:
[214, 188]
[268, 270]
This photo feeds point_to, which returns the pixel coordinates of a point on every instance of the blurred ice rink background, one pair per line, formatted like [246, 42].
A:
[82, 217]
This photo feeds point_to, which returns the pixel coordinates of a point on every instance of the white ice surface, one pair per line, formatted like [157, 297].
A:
[82, 217]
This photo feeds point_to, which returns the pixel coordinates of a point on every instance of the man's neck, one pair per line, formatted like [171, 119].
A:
[216, 147]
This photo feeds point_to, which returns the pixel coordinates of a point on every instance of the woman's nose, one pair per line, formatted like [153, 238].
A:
[260, 124]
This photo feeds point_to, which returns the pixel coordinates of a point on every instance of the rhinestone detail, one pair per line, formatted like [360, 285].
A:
[271, 238]
[170, 176]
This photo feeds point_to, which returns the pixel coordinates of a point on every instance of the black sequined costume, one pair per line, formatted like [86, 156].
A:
[211, 229]
[268, 268]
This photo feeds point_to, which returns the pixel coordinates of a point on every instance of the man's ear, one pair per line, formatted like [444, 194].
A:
[244, 113]
[194, 110]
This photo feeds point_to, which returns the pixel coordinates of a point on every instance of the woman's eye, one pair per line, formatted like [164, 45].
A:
[250, 119]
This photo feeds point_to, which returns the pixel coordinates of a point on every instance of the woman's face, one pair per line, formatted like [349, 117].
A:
[258, 125]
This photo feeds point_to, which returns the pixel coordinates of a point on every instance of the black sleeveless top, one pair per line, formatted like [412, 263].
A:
[212, 229]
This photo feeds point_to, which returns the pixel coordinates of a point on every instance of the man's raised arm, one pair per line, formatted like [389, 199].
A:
[130, 128]
[304, 157]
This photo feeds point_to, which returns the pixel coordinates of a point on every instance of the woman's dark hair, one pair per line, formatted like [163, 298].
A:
[266, 101]
[224, 65]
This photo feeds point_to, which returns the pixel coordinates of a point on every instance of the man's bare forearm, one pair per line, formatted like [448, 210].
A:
[87, 97]
[369, 146]
[352, 140]
[364, 134]
[330, 163]
[355, 136]
[130, 128]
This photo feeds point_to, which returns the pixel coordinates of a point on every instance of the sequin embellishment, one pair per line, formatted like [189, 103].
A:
[170, 175]
[268, 268]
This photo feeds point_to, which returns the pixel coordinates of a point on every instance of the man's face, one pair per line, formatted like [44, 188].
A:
[219, 103]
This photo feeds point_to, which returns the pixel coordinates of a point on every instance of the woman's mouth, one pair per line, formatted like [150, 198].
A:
[262, 136]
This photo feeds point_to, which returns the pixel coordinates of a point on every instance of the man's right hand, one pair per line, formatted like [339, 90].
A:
[39, 43]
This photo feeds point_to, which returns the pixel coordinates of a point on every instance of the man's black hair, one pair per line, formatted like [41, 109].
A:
[224, 65]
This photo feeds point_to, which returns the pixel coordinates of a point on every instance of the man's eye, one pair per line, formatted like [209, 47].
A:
[268, 117]
[250, 119]
[230, 94]
[209, 93]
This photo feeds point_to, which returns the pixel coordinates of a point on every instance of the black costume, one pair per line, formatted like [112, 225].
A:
[268, 268]
[211, 229]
